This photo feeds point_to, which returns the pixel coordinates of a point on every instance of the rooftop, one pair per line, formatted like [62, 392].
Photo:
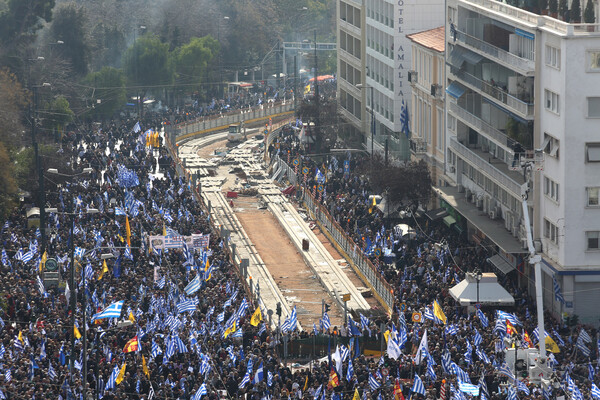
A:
[432, 39]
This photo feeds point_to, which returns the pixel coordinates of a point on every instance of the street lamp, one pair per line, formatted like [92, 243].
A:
[220, 60]
[478, 276]
[360, 86]
[73, 301]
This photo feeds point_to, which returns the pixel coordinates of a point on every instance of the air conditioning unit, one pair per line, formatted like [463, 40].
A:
[480, 203]
[508, 220]
[538, 246]
[413, 76]
[492, 214]
[451, 169]
[460, 188]
[524, 243]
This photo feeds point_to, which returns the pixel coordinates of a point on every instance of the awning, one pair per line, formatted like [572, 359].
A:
[456, 57]
[490, 292]
[455, 90]
[501, 264]
[471, 57]
[449, 221]
[436, 214]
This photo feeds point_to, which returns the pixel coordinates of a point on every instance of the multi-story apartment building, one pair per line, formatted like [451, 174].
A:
[427, 78]
[524, 90]
[384, 59]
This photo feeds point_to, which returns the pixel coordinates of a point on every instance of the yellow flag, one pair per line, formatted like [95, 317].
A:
[386, 335]
[437, 311]
[121, 238]
[229, 331]
[76, 332]
[127, 231]
[145, 367]
[43, 260]
[206, 266]
[551, 345]
[104, 269]
[121, 375]
[256, 317]
[356, 395]
[20, 337]
[305, 384]
[164, 229]
[131, 317]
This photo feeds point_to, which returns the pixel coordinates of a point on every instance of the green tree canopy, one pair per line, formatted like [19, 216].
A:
[108, 91]
[147, 63]
[191, 59]
[21, 19]
[69, 26]
[56, 114]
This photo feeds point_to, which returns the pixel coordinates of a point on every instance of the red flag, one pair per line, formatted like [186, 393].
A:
[510, 329]
[333, 379]
[131, 345]
[398, 391]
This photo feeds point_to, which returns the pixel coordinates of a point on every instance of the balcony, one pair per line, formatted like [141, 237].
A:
[514, 104]
[499, 172]
[418, 146]
[510, 60]
[476, 123]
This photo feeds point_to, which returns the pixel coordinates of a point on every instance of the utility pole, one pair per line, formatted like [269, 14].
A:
[317, 109]
[296, 94]
[38, 167]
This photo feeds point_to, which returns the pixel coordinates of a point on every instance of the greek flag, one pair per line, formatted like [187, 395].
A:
[461, 375]
[485, 394]
[350, 371]
[522, 388]
[27, 257]
[161, 282]
[405, 125]
[595, 392]
[504, 370]
[119, 211]
[167, 216]
[290, 323]
[262, 329]
[269, 378]
[155, 349]
[40, 284]
[51, 372]
[582, 346]
[79, 252]
[5, 260]
[137, 128]
[447, 362]
[201, 392]
[451, 329]
[187, 305]
[512, 394]
[230, 301]
[245, 381]
[112, 311]
[477, 339]
[319, 177]
[364, 322]
[482, 356]
[482, 318]
[193, 286]
[468, 388]
[585, 336]
[241, 311]
[418, 386]
[221, 317]
[557, 292]
[326, 321]
[512, 318]
[112, 381]
[430, 371]
[373, 383]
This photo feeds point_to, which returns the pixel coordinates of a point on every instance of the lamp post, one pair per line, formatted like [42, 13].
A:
[220, 59]
[38, 164]
[73, 299]
[360, 86]
[478, 276]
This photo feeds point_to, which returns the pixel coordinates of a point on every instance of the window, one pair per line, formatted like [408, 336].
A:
[550, 188]
[592, 152]
[593, 196]
[551, 101]
[552, 57]
[452, 14]
[593, 58]
[550, 231]
[550, 145]
[593, 110]
[592, 239]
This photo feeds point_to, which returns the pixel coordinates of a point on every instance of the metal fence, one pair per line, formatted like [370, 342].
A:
[247, 115]
[362, 265]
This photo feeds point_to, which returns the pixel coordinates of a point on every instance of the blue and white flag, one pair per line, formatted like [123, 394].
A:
[290, 323]
[259, 376]
[482, 318]
[418, 386]
[112, 311]
[404, 121]
[468, 388]
[557, 292]
[595, 392]
[193, 286]
[373, 383]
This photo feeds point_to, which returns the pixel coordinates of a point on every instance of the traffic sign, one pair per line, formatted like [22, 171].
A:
[296, 161]
[51, 265]
[385, 372]
[416, 317]
[377, 252]
[305, 170]
[277, 145]
[478, 305]
[320, 188]
[402, 307]
[346, 297]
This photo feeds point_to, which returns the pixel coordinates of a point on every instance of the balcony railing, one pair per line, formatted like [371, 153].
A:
[418, 146]
[520, 107]
[485, 167]
[526, 66]
[480, 125]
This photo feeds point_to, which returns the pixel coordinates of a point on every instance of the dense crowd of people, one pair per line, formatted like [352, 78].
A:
[190, 331]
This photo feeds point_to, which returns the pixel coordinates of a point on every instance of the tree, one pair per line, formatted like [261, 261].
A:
[108, 46]
[147, 64]
[588, 14]
[108, 93]
[21, 19]
[57, 114]
[192, 59]
[13, 102]
[8, 185]
[575, 11]
[69, 26]
[409, 183]
[562, 8]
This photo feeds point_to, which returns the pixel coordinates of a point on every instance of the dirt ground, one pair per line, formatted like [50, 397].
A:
[295, 279]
